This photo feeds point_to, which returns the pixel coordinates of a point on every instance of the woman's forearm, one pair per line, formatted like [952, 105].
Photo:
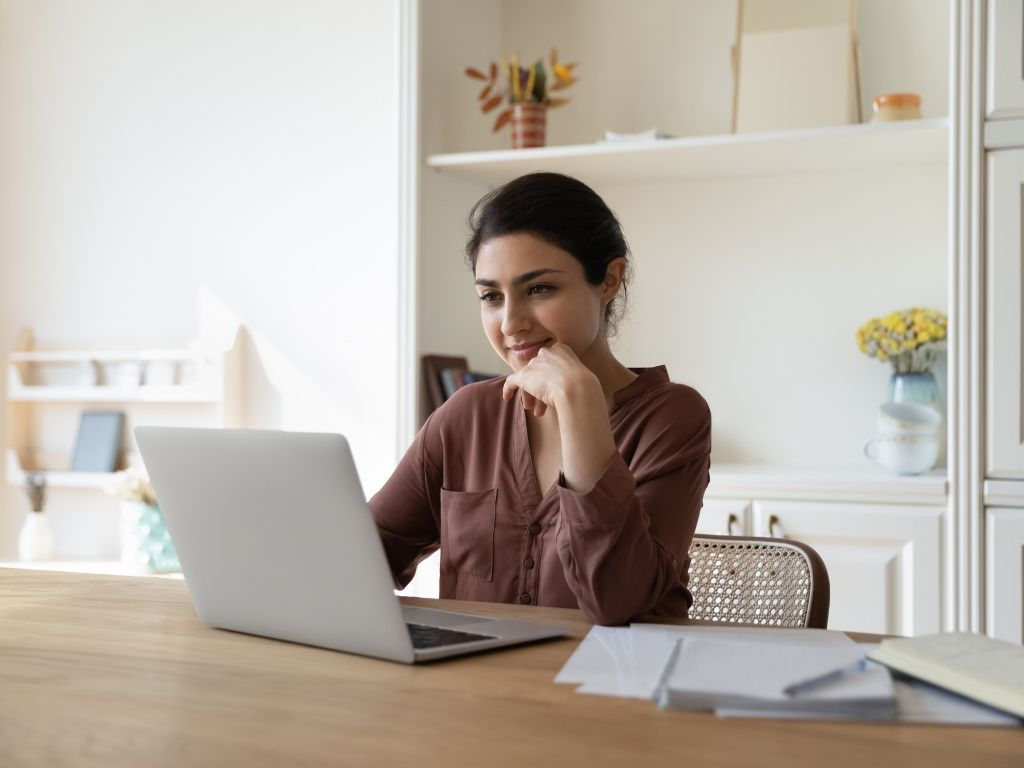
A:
[586, 434]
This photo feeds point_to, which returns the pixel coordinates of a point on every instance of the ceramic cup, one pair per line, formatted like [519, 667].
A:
[908, 419]
[904, 454]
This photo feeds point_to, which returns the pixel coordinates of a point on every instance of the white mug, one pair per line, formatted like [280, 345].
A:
[908, 419]
[906, 454]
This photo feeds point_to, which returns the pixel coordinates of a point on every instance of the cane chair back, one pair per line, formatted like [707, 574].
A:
[753, 580]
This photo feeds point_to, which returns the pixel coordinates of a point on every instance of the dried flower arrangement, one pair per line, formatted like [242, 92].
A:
[132, 484]
[522, 85]
[909, 339]
[35, 489]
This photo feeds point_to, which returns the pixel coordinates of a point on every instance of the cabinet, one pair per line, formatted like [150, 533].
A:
[1004, 314]
[1004, 573]
[1005, 96]
[880, 537]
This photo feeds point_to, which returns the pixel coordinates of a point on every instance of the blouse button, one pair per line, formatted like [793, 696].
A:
[528, 562]
[535, 529]
[525, 598]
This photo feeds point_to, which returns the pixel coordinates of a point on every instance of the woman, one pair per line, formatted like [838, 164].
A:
[573, 481]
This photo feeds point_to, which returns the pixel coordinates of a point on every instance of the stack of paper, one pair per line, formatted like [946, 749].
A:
[697, 667]
[778, 675]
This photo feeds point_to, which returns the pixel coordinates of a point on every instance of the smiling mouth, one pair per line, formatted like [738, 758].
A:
[527, 351]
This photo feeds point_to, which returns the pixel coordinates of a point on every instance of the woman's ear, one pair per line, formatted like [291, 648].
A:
[613, 279]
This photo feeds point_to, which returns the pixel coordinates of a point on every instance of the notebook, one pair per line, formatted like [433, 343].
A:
[973, 665]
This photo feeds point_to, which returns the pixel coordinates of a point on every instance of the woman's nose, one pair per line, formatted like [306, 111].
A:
[515, 320]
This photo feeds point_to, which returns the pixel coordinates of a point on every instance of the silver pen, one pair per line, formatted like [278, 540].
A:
[819, 681]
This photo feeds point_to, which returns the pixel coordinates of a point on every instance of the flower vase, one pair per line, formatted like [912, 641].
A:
[145, 543]
[918, 388]
[35, 542]
[529, 123]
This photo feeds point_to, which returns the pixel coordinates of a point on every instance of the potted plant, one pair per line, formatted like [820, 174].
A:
[35, 542]
[527, 93]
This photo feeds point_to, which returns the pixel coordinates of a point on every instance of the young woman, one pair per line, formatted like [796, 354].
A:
[573, 481]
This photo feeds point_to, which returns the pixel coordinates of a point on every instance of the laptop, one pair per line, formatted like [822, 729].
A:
[275, 538]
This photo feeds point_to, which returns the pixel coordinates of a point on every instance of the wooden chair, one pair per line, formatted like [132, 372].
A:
[753, 580]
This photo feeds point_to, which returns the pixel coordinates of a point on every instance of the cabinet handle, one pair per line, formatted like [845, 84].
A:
[732, 527]
[775, 528]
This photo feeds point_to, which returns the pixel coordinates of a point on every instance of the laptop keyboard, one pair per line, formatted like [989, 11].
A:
[424, 637]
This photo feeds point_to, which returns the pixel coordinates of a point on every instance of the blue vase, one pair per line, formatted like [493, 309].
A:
[920, 388]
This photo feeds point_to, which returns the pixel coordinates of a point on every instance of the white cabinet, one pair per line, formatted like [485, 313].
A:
[1005, 97]
[1004, 359]
[724, 517]
[883, 561]
[1004, 573]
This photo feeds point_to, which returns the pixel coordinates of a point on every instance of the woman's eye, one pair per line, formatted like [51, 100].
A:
[489, 296]
[538, 289]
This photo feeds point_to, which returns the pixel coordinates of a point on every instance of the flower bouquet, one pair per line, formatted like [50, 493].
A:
[527, 91]
[910, 340]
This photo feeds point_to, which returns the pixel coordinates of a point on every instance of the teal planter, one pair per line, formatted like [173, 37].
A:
[145, 543]
[920, 388]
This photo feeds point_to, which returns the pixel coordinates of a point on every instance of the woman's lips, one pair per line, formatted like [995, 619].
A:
[527, 351]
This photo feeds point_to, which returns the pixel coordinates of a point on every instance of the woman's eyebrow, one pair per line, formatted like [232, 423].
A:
[524, 278]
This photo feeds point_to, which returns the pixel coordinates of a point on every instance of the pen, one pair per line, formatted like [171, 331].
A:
[813, 683]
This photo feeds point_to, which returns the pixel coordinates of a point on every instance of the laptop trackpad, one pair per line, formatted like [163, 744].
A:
[435, 618]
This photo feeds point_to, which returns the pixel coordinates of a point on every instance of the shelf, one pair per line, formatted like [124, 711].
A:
[838, 148]
[869, 484]
[102, 356]
[97, 481]
[102, 394]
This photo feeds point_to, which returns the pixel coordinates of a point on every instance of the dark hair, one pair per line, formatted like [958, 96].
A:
[562, 211]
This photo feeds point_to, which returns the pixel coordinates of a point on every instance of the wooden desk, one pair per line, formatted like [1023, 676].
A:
[110, 671]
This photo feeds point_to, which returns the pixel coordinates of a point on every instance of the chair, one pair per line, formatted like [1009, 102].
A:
[753, 580]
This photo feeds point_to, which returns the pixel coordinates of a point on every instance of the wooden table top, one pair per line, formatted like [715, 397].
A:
[111, 670]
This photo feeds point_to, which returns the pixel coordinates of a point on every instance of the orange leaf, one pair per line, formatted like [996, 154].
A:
[476, 74]
[486, 91]
[494, 71]
[503, 118]
[491, 103]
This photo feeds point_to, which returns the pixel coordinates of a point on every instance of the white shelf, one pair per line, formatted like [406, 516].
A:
[838, 148]
[97, 481]
[102, 394]
[868, 484]
[102, 356]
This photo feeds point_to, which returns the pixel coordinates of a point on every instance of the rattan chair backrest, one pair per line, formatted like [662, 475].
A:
[753, 580]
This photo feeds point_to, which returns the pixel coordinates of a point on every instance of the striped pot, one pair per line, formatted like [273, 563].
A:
[528, 124]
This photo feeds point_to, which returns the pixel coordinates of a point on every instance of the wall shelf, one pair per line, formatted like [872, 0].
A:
[101, 394]
[819, 150]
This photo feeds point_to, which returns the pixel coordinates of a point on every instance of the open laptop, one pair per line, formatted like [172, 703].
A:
[275, 538]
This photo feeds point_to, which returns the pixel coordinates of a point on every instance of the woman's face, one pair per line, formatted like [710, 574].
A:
[533, 294]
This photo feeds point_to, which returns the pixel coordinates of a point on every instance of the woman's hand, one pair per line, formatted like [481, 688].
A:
[551, 379]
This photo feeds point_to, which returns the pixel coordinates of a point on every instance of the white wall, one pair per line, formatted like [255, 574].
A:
[151, 148]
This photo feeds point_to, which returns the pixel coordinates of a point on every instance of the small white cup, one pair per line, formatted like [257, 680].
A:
[908, 419]
[904, 454]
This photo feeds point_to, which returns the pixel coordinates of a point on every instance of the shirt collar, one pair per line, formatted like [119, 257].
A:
[645, 379]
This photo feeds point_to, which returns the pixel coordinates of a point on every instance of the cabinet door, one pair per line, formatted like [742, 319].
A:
[1004, 573]
[883, 561]
[724, 517]
[1005, 96]
[1004, 363]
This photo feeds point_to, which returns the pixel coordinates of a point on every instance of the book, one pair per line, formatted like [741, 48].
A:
[972, 665]
[98, 443]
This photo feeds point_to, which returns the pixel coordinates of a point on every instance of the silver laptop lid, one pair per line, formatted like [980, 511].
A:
[275, 537]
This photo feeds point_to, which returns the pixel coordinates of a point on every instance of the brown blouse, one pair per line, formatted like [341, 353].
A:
[467, 485]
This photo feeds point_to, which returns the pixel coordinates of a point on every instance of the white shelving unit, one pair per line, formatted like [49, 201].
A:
[44, 401]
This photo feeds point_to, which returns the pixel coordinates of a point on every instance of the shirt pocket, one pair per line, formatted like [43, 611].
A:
[467, 532]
